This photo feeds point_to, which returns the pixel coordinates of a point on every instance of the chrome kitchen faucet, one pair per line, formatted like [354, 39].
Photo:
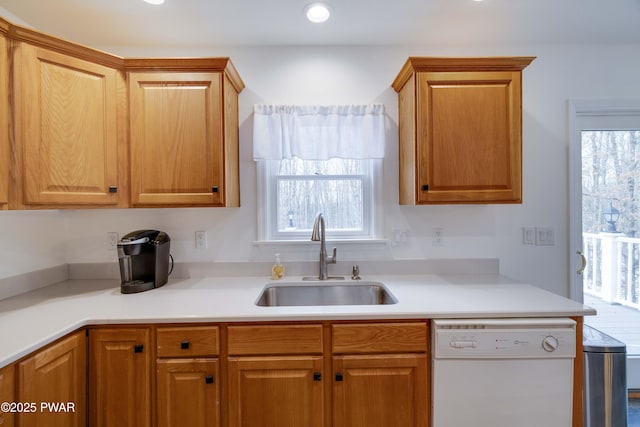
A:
[318, 235]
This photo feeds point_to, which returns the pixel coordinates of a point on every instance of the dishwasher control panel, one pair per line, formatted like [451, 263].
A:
[504, 338]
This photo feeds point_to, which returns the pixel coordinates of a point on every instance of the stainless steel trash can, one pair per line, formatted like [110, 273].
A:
[605, 380]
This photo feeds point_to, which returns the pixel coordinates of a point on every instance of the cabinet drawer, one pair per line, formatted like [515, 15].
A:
[380, 338]
[275, 339]
[188, 341]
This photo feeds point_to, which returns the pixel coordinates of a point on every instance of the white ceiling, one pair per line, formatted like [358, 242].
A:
[354, 22]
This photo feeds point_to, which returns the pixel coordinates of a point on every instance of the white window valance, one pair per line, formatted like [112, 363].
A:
[317, 132]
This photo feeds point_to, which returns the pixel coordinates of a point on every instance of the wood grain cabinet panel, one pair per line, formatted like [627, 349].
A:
[55, 376]
[66, 129]
[276, 391]
[460, 130]
[379, 338]
[380, 391]
[275, 339]
[7, 394]
[4, 117]
[184, 137]
[187, 341]
[188, 393]
[120, 377]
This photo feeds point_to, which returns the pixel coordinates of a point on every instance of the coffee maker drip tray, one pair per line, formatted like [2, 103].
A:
[135, 286]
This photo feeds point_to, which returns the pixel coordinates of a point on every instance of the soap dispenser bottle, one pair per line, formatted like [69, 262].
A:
[277, 271]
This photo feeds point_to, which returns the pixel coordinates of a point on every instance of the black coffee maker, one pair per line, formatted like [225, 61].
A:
[144, 260]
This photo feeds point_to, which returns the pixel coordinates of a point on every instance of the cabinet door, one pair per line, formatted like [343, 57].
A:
[177, 153]
[469, 137]
[380, 391]
[4, 123]
[119, 377]
[56, 378]
[66, 128]
[188, 393]
[7, 394]
[276, 392]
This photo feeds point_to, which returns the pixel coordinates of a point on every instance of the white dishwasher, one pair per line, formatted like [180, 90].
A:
[503, 372]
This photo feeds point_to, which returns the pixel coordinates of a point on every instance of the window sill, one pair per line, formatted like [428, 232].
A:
[380, 242]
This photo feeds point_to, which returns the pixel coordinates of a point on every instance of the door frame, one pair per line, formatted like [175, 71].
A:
[577, 109]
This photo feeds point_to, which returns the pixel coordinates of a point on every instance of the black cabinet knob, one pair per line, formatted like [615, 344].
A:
[184, 345]
[425, 187]
[214, 189]
[138, 348]
[339, 377]
[317, 376]
[209, 379]
[113, 189]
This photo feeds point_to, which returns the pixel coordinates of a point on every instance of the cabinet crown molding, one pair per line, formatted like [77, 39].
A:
[416, 64]
[221, 64]
[37, 38]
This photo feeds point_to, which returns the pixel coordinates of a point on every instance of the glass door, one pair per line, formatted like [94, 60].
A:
[605, 220]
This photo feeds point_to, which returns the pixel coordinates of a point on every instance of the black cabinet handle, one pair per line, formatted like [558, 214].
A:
[214, 189]
[425, 187]
[317, 376]
[138, 348]
[113, 189]
[209, 379]
[184, 345]
[339, 377]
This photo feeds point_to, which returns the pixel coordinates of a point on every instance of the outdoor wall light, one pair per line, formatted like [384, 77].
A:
[611, 217]
[317, 12]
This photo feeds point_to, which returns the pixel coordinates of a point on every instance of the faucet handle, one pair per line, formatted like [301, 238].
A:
[332, 259]
[356, 273]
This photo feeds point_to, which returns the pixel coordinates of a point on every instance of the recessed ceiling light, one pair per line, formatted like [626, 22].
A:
[156, 2]
[317, 12]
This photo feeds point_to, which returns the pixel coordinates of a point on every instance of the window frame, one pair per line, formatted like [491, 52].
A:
[268, 196]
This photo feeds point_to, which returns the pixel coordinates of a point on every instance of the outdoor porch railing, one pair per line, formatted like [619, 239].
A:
[612, 268]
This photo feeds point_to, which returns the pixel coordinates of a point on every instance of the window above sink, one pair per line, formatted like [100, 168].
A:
[293, 191]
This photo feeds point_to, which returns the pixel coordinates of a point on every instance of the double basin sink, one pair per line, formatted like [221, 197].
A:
[320, 294]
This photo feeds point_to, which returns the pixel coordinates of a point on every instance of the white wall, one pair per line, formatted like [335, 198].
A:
[334, 75]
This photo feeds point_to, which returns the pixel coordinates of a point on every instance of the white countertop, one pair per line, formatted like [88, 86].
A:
[36, 318]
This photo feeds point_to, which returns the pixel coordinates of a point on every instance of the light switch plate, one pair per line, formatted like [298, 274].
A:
[545, 236]
[528, 235]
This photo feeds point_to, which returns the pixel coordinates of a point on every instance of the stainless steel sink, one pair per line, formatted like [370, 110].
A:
[304, 294]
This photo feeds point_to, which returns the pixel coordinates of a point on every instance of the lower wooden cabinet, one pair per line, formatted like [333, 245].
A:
[188, 376]
[380, 391]
[54, 381]
[7, 394]
[188, 393]
[276, 391]
[333, 374]
[120, 377]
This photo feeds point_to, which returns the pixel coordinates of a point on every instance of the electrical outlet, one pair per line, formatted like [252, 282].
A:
[201, 239]
[437, 236]
[112, 240]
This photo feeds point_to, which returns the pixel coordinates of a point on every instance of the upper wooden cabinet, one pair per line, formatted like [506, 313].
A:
[75, 133]
[67, 129]
[4, 117]
[460, 130]
[184, 132]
